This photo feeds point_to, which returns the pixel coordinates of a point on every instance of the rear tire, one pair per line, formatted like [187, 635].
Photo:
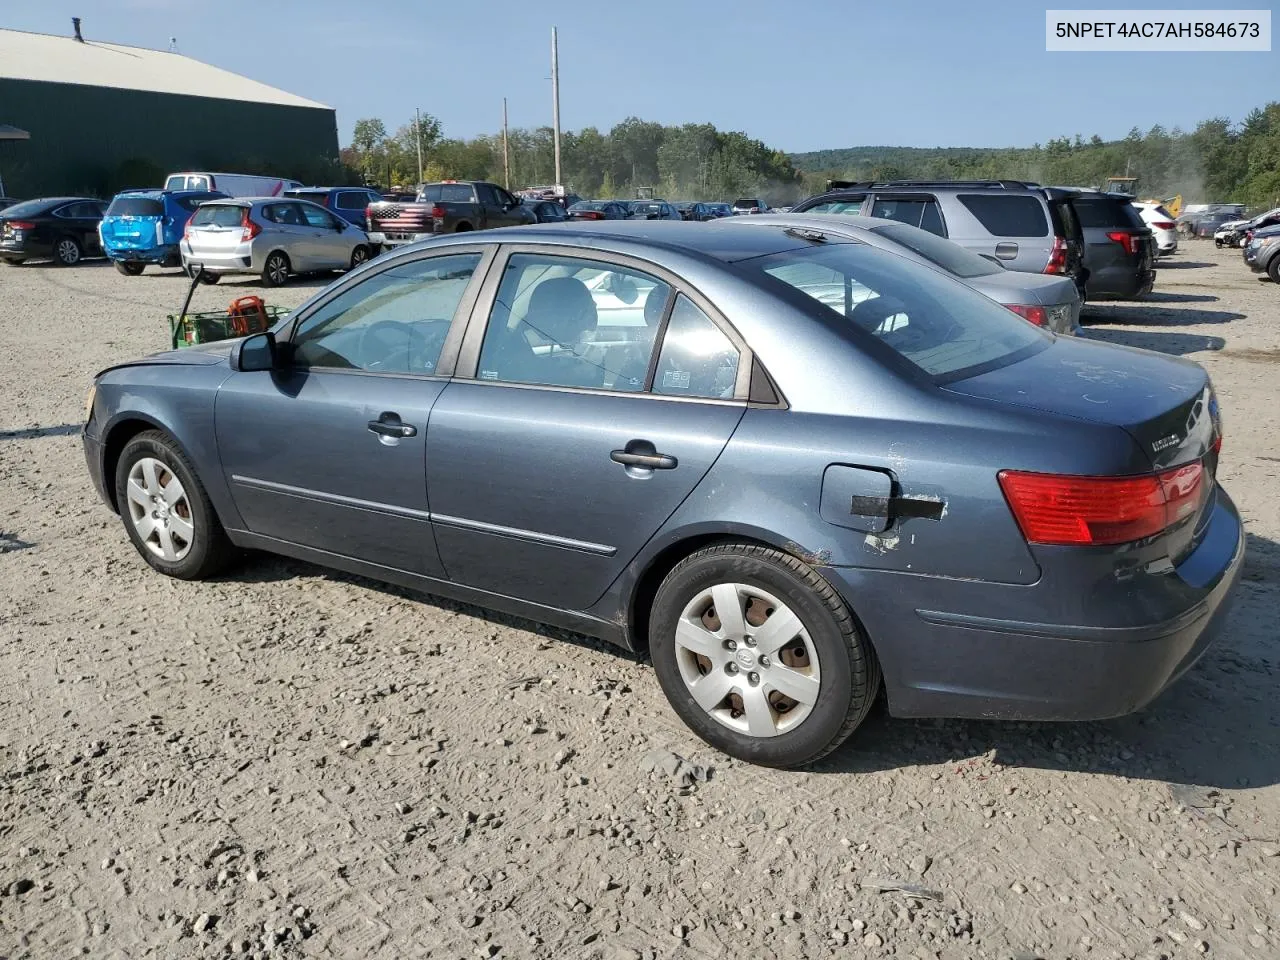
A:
[166, 511]
[67, 252]
[129, 269]
[210, 278]
[815, 652]
[275, 272]
[1273, 269]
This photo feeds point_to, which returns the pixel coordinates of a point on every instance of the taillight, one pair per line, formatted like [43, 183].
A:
[590, 215]
[368, 216]
[1057, 257]
[251, 229]
[437, 213]
[1217, 445]
[1162, 225]
[1095, 511]
[1127, 240]
[186, 231]
[1035, 315]
[22, 224]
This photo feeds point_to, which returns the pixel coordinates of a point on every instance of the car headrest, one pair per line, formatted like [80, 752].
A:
[562, 308]
[654, 304]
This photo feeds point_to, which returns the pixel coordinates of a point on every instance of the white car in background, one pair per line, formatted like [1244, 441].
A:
[1162, 226]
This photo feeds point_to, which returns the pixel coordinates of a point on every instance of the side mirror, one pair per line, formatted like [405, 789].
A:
[255, 352]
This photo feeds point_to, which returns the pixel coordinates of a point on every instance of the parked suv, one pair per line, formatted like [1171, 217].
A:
[145, 226]
[270, 236]
[748, 205]
[350, 203]
[1023, 225]
[1119, 250]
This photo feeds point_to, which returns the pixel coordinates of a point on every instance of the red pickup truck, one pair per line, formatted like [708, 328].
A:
[450, 206]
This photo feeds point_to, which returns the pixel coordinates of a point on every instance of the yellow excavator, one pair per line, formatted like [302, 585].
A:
[1129, 187]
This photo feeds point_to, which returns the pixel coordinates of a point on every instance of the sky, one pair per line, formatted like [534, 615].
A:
[799, 75]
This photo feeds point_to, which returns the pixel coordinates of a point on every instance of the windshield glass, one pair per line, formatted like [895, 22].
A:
[135, 207]
[946, 254]
[938, 324]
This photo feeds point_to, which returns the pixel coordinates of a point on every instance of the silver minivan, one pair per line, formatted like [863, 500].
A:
[270, 237]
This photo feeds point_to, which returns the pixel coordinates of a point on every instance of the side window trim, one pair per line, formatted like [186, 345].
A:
[468, 357]
[447, 361]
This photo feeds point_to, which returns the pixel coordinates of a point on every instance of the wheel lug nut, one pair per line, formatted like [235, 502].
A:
[732, 644]
[764, 661]
[731, 668]
[754, 677]
[751, 641]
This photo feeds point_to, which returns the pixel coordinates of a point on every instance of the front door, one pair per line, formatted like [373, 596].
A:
[329, 452]
[571, 446]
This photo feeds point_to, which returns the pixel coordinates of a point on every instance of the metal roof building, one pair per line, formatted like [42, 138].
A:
[101, 116]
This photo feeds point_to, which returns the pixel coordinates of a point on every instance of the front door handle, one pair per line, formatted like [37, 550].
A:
[641, 454]
[390, 425]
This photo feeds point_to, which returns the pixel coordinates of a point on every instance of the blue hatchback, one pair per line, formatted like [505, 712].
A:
[144, 226]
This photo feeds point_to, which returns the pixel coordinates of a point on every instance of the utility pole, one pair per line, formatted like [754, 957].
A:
[417, 139]
[555, 97]
[506, 152]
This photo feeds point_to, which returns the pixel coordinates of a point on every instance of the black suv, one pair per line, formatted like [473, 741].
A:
[1119, 247]
[1023, 225]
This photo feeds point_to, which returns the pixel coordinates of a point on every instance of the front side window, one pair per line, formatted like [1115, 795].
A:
[486, 195]
[941, 326]
[315, 217]
[697, 359]
[566, 322]
[395, 321]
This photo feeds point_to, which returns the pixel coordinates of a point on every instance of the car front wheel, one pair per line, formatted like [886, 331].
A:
[358, 256]
[166, 511]
[760, 656]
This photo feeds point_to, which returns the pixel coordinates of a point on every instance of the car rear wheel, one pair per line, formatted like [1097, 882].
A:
[129, 269]
[275, 272]
[1273, 269]
[166, 511]
[760, 656]
[209, 278]
[67, 252]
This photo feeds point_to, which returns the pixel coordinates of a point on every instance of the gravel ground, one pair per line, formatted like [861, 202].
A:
[295, 763]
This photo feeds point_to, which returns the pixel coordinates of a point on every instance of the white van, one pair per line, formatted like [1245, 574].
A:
[232, 184]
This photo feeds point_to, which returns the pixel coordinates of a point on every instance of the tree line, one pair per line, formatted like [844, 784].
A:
[1218, 161]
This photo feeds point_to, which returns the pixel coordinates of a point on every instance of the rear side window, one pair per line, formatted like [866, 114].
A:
[456, 193]
[217, 215]
[1007, 216]
[430, 193]
[135, 207]
[1104, 212]
[352, 200]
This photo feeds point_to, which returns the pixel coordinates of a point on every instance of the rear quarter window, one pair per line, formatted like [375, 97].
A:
[1003, 215]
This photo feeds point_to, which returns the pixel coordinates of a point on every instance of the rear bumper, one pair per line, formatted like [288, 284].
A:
[156, 255]
[1120, 283]
[946, 663]
[393, 239]
[238, 259]
[24, 249]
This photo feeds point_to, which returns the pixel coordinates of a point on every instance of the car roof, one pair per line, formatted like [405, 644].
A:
[729, 243]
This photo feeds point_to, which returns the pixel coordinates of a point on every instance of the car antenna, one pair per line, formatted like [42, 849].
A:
[800, 233]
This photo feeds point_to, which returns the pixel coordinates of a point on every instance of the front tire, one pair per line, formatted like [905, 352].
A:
[275, 272]
[67, 252]
[759, 655]
[166, 511]
[358, 256]
[129, 269]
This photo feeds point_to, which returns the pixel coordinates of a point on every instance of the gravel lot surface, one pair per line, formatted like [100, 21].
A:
[294, 763]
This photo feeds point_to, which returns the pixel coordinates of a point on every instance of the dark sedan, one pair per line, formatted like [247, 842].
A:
[62, 229]
[598, 210]
[689, 210]
[654, 210]
[792, 469]
[547, 211]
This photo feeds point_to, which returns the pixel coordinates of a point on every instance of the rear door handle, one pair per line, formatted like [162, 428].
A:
[390, 425]
[633, 457]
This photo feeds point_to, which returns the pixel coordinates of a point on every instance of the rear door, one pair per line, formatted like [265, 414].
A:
[1119, 249]
[215, 231]
[81, 219]
[1013, 227]
[551, 461]
[329, 453]
[350, 205]
[332, 242]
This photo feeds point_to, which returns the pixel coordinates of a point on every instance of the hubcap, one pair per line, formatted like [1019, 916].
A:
[68, 252]
[747, 660]
[278, 270]
[159, 509]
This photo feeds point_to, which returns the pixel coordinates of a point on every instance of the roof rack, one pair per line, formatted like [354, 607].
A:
[859, 184]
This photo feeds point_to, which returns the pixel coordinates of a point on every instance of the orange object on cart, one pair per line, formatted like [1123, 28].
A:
[243, 310]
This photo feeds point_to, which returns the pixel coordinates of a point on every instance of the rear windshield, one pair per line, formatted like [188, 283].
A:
[588, 205]
[943, 327]
[1105, 212]
[746, 203]
[943, 253]
[135, 207]
[646, 208]
[218, 214]
[28, 208]
[1003, 215]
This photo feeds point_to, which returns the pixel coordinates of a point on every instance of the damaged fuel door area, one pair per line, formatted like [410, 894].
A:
[869, 499]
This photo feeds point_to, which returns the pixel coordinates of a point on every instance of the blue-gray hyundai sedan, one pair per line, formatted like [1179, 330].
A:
[793, 467]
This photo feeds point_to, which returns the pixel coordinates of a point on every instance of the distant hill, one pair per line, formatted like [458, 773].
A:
[816, 161]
